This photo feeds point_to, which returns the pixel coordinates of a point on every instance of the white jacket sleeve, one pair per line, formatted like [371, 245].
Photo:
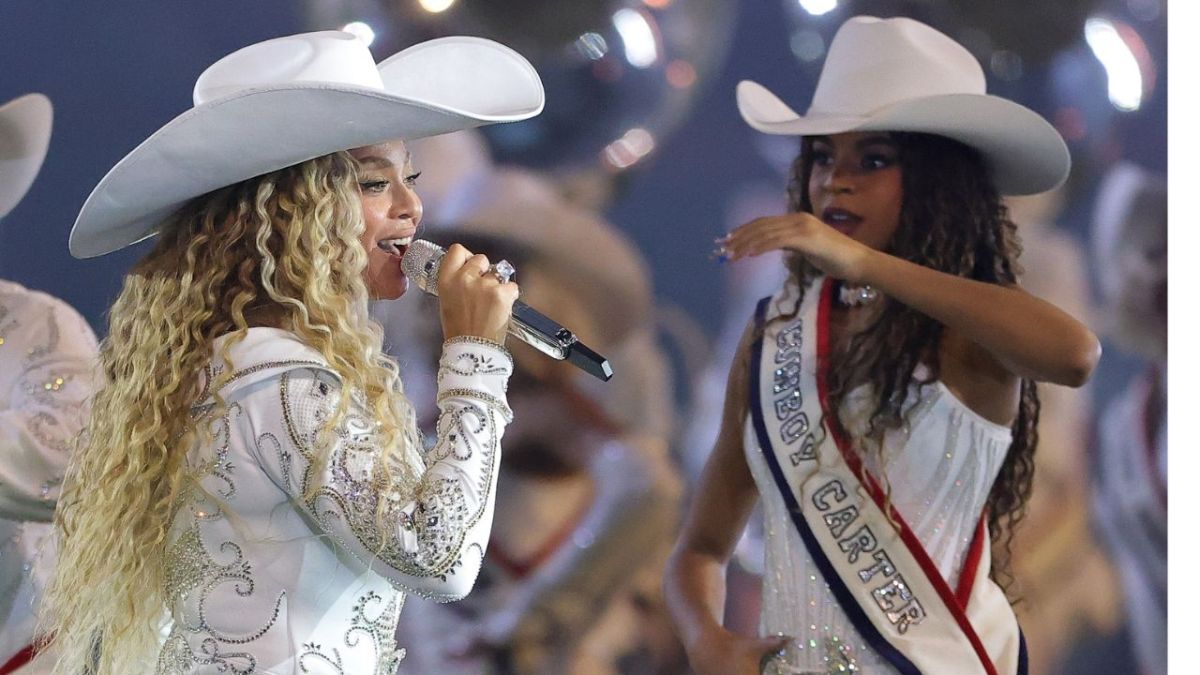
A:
[430, 542]
[46, 364]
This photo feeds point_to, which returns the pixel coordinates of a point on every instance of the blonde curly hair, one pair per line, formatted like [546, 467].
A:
[285, 243]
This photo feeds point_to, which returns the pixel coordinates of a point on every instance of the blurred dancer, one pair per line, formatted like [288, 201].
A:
[588, 497]
[1130, 501]
[1067, 588]
[47, 353]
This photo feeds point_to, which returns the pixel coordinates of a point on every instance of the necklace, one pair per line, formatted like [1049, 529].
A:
[854, 296]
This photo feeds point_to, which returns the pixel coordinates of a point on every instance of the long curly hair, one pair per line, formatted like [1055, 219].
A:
[952, 220]
[285, 243]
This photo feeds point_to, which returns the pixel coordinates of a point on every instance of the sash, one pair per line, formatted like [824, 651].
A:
[880, 574]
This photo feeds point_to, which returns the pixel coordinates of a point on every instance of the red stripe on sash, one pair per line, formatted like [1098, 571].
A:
[19, 660]
[855, 463]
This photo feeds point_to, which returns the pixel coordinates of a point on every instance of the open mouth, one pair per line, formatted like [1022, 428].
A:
[841, 219]
[395, 247]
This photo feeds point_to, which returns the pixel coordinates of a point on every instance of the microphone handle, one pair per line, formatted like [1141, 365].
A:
[547, 336]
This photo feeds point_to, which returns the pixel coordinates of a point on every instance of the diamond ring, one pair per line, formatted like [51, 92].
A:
[503, 270]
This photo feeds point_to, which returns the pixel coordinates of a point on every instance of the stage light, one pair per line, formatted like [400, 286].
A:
[592, 45]
[818, 7]
[436, 6]
[641, 47]
[1121, 66]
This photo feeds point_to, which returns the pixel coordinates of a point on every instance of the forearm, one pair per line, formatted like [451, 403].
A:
[1030, 337]
[694, 584]
[430, 538]
[447, 526]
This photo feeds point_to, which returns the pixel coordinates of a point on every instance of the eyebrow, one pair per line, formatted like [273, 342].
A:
[383, 162]
[380, 162]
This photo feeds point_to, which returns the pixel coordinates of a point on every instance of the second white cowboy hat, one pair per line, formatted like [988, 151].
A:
[24, 138]
[284, 101]
[901, 75]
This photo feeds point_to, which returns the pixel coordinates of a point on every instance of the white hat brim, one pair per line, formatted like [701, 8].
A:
[25, 124]
[1026, 154]
[257, 131]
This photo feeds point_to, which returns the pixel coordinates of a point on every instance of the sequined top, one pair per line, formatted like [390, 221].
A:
[47, 352]
[278, 562]
[940, 473]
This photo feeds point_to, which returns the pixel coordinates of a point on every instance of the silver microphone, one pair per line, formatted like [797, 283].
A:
[420, 264]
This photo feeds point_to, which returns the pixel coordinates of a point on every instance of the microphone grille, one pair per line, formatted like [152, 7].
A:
[420, 264]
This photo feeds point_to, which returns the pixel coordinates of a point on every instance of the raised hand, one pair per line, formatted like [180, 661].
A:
[834, 253]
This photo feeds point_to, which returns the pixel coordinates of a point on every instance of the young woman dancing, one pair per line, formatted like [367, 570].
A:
[882, 403]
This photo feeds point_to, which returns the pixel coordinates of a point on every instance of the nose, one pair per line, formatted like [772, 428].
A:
[406, 204]
[838, 178]
[837, 182]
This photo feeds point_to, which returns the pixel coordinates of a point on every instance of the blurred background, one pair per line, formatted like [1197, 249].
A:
[613, 197]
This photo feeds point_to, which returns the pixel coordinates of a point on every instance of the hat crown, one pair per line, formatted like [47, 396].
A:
[332, 57]
[873, 63]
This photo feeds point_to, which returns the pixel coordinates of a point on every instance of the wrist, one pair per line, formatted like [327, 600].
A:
[708, 639]
[869, 267]
[476, 340]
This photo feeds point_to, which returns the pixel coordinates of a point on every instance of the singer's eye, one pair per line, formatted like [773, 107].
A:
[375, 186]
[412, 180]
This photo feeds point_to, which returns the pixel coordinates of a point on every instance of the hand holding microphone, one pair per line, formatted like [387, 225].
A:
[485, 299]
[473, 302]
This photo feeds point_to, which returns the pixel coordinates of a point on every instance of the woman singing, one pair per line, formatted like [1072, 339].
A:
[251, 493]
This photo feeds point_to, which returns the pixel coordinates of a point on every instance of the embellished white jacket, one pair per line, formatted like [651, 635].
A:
[261, 578]
[47, 353]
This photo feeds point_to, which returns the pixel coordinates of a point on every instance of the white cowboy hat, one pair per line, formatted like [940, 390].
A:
[283, 101]
[24, 138]
[902, 75]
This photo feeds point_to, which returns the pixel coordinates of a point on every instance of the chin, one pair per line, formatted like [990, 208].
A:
[391, 293]
[391, 289]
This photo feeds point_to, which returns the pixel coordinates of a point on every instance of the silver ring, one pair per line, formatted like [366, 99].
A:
[503, 270]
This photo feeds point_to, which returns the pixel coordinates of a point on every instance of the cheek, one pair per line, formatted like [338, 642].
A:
[890, 197]
[374, 219]
[814, 186]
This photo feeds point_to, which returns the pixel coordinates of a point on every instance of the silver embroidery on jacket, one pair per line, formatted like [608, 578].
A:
[437, 516]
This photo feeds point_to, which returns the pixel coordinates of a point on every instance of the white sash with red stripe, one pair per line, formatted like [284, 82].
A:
[881, 575]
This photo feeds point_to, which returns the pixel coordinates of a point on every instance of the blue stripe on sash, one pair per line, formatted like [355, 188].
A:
[840, 592]
[1022, 655]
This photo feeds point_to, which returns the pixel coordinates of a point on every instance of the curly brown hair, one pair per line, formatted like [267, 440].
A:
[952, 220]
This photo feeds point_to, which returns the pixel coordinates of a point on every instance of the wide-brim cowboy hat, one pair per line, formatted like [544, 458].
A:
[902, 75]
[25, 124]
[284, 101]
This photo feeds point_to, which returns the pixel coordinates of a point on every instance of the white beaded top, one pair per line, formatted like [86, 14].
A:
[940, 474]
